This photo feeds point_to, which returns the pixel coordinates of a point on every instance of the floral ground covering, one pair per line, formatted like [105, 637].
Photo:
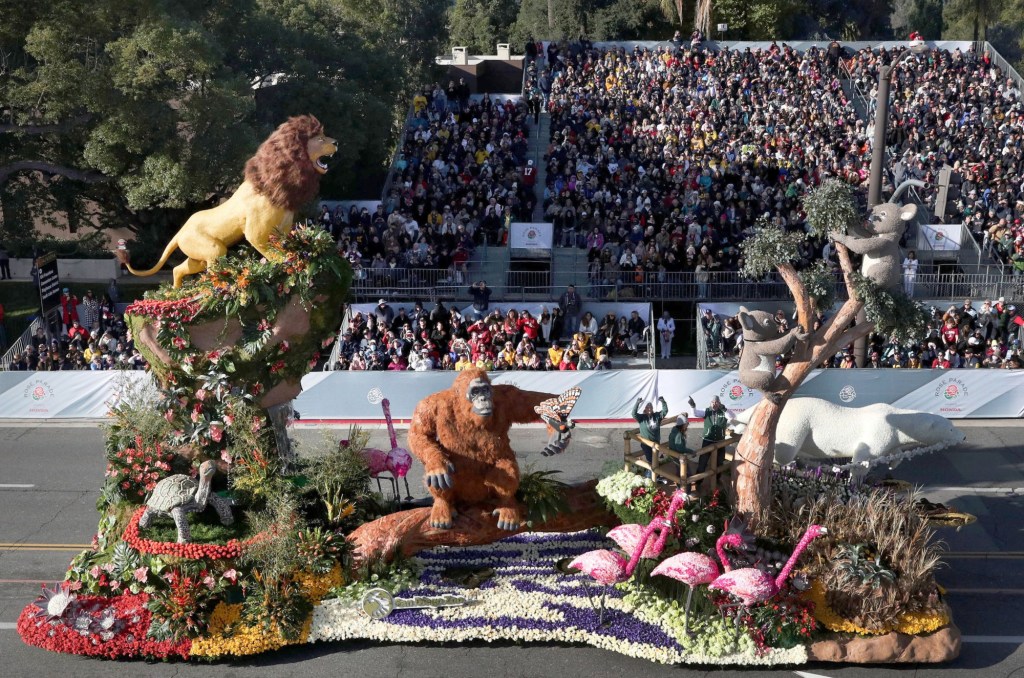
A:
[527, 600]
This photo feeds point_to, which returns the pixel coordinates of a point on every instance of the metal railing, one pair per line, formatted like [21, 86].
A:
[436, 284]
[22, 342]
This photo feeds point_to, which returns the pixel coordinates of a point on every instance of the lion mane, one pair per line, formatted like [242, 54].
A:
[282, 176]
[281, 169]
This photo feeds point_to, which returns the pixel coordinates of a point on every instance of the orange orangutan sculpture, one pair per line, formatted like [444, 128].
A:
[461, 436]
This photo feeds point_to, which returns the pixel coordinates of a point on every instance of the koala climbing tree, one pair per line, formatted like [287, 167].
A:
[831, 212]
[762, 343]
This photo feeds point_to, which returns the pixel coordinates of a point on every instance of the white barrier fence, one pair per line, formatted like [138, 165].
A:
[608, 396]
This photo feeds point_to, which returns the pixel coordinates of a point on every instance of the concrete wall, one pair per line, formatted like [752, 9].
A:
[72, 270]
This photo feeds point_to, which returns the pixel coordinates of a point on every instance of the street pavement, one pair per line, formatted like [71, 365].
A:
[52, 475]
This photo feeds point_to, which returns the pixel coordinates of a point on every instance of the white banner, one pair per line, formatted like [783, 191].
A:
[939, 237]
[608, 396]
[530, 236]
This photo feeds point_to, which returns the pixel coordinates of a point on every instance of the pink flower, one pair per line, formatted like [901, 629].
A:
[141, 574]
[75, 586]
[95, 572]
[209, 581]
[257, 424]
[201, 394]
[285, 346]
[115, 585]
[225, 457]
[216, 432]
[229, 419]
[168, 415]
[179, 343]
[213, 356]
[231, 575]
[107, 567]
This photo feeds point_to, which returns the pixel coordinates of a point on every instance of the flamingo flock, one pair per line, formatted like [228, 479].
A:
[748, 585]
[611, 567]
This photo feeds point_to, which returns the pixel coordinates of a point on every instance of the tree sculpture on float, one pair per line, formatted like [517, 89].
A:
[830, 210]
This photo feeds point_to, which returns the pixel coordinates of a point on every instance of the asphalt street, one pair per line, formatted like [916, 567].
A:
[52, 474]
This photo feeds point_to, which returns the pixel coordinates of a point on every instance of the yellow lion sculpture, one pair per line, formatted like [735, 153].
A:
[282, 176]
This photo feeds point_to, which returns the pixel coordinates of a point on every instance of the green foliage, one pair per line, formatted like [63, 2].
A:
[820, 282]
[320, 549]
[892, 311]
[768, 247]
[543, 496]
[149, 110]
[275, 555]
[340, 474]
[481, 24]
[278, 605]
[831, 208]
[182, 607]
[856, 567]
[395, 576]
[205, 528]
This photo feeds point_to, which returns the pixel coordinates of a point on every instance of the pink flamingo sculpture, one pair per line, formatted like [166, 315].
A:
[377, 462]
[399, 460]
[693, 569]
[629, 536]
[749, 584]
[610, 567]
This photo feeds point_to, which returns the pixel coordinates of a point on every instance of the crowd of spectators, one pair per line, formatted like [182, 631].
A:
[460, 176]
[494, 339]
[91, 335]
[970, 335]
[957, 108]
[664, 159]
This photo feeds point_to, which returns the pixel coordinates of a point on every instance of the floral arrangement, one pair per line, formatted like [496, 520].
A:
[193, 551]
[113, 628]
[618, 487]
[136, 470]
[530, 600]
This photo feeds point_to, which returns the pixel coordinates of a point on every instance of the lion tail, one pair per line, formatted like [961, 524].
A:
[171, 246]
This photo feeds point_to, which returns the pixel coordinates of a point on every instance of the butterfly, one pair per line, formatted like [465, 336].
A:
[555, 413]
[559, 407]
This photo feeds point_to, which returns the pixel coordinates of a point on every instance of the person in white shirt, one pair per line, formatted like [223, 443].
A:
[910, 265]
[666, 331]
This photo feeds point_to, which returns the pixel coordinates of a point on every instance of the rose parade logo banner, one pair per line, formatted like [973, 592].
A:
[37, 392]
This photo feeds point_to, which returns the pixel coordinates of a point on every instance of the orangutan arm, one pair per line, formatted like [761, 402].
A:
[423, 441]
[518, 404]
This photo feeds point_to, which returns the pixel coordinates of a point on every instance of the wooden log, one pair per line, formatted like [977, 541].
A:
[409, 532]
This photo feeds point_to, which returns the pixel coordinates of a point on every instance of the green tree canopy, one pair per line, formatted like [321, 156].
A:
[134, 113]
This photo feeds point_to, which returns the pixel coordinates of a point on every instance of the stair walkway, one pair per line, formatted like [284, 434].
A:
[538, 146]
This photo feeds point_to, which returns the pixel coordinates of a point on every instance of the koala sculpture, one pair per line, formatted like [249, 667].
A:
[762, 343]
[879, 240]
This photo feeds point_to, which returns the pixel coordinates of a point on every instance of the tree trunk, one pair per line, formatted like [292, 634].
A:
[753, 461]
[409, 532]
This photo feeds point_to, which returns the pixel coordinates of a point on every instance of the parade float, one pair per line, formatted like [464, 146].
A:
[216, 539]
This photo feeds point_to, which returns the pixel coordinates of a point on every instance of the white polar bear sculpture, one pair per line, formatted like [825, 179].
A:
[815, 429]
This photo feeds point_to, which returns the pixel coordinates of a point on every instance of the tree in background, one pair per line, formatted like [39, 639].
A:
[1001, 22]
[923, 16]
[133, 114]
[830, 208]
[481, 24]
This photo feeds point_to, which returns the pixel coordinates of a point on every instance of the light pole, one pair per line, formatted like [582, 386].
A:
[882, 121]
[860, 347]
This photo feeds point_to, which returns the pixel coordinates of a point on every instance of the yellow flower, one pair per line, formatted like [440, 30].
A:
[316, 586]
[910, 623]
[244, 640]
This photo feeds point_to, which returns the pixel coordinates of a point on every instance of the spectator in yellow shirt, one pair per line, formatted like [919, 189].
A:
[555, 355]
